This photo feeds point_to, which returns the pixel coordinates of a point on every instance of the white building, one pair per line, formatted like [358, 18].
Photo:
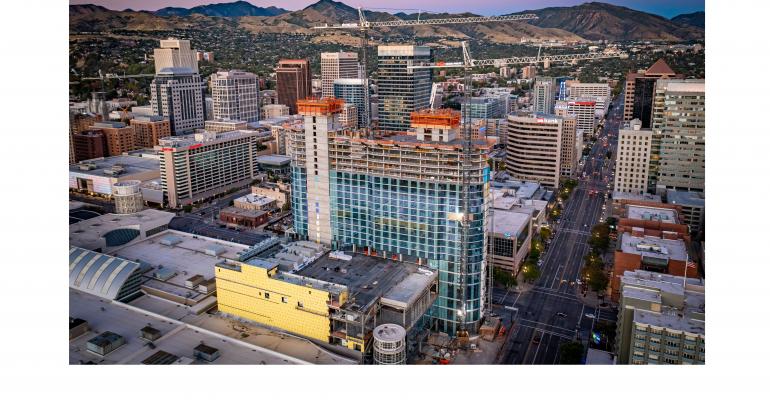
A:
[339, 65]
[632, 166]
[175, 53]
[544, 95]
[583, 109]
[533, 148]
[236, 95]
[601, 93]
[274, 111]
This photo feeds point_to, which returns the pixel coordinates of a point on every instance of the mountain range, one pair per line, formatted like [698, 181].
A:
[588, 21]
[229, 10]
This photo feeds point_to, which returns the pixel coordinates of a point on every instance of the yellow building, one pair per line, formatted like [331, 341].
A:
[258, 291]
[366, 291]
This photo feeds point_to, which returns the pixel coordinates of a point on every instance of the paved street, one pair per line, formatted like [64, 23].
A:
[551, 312]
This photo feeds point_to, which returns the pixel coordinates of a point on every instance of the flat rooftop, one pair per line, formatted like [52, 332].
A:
[89, 233]
[599, 357]
[509, 223]
[652, 246]
[103, 166]
[243, 212]
[616, 195]
[177, 338]
[255, 199]
[651, 214]
[670, 319]
[197, 226]
[189, 255]
[688, 199]
[275, 160]
[369, 278]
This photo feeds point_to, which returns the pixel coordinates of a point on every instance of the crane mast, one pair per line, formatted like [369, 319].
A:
[363, 26]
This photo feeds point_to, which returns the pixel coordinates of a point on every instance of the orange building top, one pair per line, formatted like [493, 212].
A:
[442, 117]
[322, 106]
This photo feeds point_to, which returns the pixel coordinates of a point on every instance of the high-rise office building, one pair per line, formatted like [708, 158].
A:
[401, 90]
[235, 95]
[679, 136]
[198, 166]
[353, 91]
[401, 201]
[571, 146]
[339, 65]
[533, 148]
[293, 82]
[661, 319]
[490, 107]
[584, 111]
[149, 129]
[175, 53]
[632, 165]
[639, 91]
[544, 95]
[178, 94]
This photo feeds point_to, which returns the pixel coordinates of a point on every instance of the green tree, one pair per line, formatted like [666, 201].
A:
[531, 272]
[504, 278]
[545, 233]
[570, 353]
[596, 278]
[187, 208]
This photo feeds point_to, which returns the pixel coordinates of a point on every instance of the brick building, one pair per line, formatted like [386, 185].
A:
[148, 129]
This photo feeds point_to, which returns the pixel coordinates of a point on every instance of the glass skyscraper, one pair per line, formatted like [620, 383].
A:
[399, 197]
[402, 90]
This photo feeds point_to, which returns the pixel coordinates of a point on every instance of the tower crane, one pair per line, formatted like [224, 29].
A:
[468, 64]
[363, 25]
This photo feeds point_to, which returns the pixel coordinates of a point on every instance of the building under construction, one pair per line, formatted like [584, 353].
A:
[397, 197]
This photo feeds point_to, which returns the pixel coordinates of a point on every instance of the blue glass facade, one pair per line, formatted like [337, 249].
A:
[411, 218]
[299, 199]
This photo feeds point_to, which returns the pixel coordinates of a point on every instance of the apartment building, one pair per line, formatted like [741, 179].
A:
[87, 145]
[235, 95]
[198, 166]
[293, 82]
[339, 65]
[398, 197]
[661, 319]
[533, 148]
[632, 159]
[119, 137]
[148, 129]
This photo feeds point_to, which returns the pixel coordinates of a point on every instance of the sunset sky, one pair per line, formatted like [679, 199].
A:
[666, 8]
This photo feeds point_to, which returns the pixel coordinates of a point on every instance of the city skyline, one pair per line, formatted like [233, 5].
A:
[483, 7]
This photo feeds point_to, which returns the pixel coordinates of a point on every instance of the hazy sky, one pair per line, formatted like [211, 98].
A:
[666, 8]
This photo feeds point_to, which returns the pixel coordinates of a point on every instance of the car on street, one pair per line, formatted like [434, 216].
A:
[590, 316]
[561, 314]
